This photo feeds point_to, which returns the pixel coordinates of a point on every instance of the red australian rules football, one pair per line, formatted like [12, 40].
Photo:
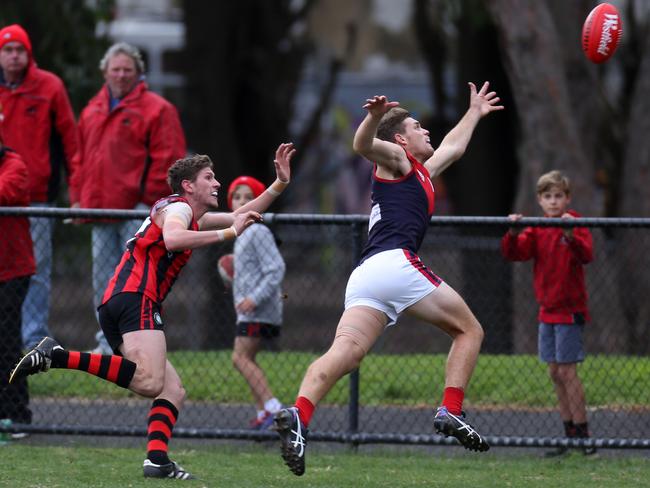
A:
[601, 32]
[226, 269]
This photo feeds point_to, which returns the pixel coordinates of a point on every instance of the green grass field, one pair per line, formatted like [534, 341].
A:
[246, 466]
[519, 381]
[500, 381]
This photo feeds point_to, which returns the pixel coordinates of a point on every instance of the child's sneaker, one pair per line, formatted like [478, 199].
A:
[263, 423]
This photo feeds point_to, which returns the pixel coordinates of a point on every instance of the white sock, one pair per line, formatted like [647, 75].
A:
[261, 414]
[273, 405]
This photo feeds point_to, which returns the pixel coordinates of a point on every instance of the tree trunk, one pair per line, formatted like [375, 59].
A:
[634, 281]
[536, 60]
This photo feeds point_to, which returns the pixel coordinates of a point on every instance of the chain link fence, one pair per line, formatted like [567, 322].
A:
[392, 397]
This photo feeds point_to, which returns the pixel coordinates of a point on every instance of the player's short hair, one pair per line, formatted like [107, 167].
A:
[123, 48]
[186, 169]
[552, 179]
[392, 123]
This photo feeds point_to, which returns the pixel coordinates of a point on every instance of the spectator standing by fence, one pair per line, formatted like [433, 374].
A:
[131, 315]
[36, 120]
[16, 266]
[129, 137]
[258, 273]
[559, 254]
[390, 278]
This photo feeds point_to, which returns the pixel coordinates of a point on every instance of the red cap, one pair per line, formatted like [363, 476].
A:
[255, 185]
[15, 33]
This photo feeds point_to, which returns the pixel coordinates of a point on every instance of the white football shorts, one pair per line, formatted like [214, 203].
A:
[390, 282]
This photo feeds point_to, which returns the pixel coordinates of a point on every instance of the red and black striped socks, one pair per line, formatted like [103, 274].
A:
[162, 417]
[107, 366]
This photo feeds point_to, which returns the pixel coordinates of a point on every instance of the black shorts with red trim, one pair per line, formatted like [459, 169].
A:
[258, 329]
[128, 312]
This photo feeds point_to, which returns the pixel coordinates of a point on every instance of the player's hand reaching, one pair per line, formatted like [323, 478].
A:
[282, 161]
[483, 101]
[378, 105]
[244, 220]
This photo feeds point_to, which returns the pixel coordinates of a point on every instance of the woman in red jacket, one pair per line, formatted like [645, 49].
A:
[16, 266]
[559, 255]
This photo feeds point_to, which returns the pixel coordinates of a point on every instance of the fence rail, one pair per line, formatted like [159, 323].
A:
[390, 399]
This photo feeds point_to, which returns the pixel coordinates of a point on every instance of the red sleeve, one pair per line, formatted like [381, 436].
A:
[74, 188]
[166, 145]
[65, 125]
[582, 245]
[14, 181]
[518, 247]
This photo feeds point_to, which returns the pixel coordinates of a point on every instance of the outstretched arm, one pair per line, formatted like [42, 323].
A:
[383, 153]
[175, 220]
[455, 142]
[282, 161]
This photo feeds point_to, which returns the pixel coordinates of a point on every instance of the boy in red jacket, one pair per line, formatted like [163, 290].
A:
[559, 254]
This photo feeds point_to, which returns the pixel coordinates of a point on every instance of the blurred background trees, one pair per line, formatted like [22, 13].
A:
[64, 39]
[247, 65]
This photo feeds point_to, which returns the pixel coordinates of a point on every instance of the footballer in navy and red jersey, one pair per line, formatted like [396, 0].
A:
[401, 210]
[147, 266]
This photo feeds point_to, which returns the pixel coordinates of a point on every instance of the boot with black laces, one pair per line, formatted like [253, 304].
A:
[170, 470]
[449, 424]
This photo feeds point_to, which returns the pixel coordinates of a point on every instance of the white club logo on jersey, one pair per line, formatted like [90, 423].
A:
[157, 318]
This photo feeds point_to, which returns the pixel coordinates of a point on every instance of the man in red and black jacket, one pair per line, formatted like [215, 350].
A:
[16, 266]
[559, 255]
[36, 120]
[129, 137]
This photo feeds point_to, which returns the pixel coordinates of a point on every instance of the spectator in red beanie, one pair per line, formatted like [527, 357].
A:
[35, 98]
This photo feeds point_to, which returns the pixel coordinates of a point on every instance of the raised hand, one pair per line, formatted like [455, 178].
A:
[483, 101]
[283, 155]
[379, 105]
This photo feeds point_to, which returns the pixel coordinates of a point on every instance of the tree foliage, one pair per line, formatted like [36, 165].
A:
[63, 40]
[245, 61]
[566, 113]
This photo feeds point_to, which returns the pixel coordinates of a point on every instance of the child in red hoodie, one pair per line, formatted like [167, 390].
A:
[559, 255]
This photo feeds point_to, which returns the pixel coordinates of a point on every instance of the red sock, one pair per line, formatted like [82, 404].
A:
[161, 421]
[305, 409]
[452, 398]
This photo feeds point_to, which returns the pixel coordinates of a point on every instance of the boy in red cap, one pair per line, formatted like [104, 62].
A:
[36, 121]
[258, 273]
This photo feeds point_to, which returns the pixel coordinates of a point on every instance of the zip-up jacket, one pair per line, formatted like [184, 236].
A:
[259, 270]
[16, 249]
[559, 278]
[38, 123]
[125, 152]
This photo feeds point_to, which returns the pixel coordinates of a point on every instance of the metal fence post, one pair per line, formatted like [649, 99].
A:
[353, 408]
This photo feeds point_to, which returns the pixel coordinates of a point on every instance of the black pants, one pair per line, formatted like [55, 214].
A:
[14, 398]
